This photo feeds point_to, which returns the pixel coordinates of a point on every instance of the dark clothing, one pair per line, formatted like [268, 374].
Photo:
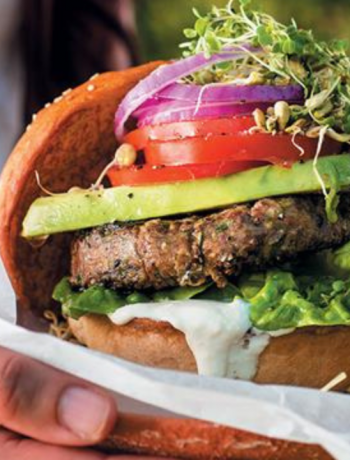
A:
[65, 42]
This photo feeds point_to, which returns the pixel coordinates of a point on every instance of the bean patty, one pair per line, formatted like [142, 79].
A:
[190, 251]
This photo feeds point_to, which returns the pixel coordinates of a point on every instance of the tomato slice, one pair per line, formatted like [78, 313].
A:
[278, 149]
[183, 151]
[147, 174]
[140, 138]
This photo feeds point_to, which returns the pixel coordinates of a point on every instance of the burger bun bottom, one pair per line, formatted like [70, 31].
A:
[309, 357]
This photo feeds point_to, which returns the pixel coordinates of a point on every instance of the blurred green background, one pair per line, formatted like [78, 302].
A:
[161, 22]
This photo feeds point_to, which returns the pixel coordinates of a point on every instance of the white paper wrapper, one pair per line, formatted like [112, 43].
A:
[282, 412]
[7, 297]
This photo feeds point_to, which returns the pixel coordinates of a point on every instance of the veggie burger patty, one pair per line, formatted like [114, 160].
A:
[199, 249]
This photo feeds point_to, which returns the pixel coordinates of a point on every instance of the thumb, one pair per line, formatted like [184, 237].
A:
[50, 406]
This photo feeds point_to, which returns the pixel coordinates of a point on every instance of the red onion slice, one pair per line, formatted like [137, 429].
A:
[155, 105]
[164, 76]
[231, 92]
[148, 117]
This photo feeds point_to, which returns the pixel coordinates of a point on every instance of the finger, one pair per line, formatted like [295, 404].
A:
[50, 406]
[13, 447]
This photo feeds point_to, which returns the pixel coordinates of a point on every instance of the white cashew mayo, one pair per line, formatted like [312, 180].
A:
[220, 335]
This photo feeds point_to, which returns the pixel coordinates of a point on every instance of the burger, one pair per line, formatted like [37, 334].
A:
[195, 214]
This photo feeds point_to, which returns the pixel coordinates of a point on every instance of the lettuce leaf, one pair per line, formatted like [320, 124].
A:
[286, 301]
[314, 292]
[96, 299]
[102, 301]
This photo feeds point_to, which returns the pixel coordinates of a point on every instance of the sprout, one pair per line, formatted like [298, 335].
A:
[282, 113]
[287, 55]
[126, 156]
[259, 118]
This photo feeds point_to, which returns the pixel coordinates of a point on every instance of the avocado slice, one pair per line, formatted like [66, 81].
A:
[84, 209]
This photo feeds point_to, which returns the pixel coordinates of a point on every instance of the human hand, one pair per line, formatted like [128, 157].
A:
[47, 414]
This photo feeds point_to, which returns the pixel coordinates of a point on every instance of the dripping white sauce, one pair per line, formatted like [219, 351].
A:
[220, 335]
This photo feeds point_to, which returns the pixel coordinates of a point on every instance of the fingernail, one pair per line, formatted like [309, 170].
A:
[84, 412]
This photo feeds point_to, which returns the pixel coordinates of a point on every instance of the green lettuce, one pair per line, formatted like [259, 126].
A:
[287, 301]
[96, 299]
[102, 301]
[314, 292]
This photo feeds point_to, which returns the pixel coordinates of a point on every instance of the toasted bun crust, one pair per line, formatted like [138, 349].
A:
[197, 440]
[309, 357]
[68, 144]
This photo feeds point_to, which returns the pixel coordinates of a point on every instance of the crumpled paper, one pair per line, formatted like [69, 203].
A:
[290, 413]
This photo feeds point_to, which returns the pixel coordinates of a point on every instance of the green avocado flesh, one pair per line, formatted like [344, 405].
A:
[85, 209]
[315, 293]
